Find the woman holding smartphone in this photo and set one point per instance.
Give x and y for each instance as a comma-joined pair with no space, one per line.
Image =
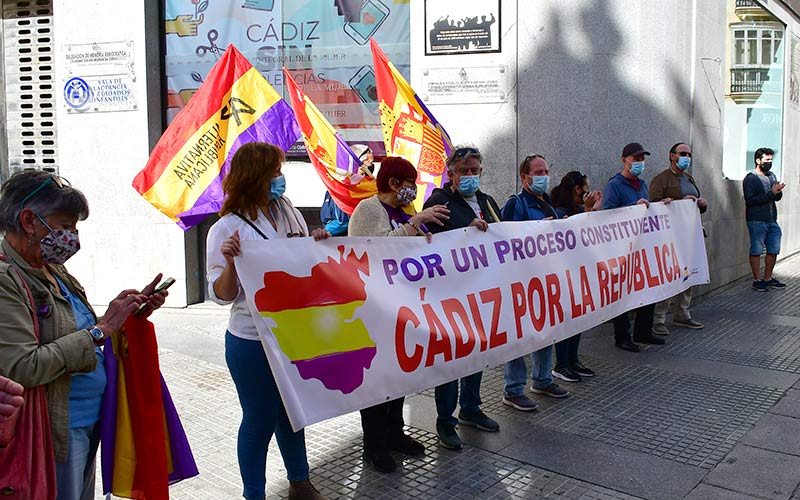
255,208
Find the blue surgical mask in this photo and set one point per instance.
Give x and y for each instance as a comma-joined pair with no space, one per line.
277,187
540,184
684,162
469,184
637,168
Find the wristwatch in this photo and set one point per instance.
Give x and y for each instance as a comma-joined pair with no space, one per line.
97,334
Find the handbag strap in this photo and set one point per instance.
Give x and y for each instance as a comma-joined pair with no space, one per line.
27,290
250,223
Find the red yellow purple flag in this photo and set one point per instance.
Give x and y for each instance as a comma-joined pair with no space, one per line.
409,129
234,105
144,447
333,159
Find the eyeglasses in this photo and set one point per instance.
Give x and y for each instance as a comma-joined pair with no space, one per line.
60,182
468,171
684,153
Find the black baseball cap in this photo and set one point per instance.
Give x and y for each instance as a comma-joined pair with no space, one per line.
634,149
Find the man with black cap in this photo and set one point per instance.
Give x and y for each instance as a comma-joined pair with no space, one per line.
626,189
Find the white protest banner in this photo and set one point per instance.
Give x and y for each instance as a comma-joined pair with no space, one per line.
351,322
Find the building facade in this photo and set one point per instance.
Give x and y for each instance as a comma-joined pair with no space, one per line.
574,81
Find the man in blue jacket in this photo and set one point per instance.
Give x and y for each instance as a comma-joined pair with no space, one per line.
469,206
532,203
761,191
625,189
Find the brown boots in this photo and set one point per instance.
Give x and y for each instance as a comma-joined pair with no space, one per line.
304,490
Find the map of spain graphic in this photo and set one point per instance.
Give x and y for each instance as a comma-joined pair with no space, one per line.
314,323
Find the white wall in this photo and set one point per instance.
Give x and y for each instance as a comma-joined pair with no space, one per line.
125,241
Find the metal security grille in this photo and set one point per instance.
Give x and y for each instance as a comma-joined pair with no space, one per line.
29,74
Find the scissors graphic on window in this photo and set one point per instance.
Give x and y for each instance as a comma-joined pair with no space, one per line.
212,47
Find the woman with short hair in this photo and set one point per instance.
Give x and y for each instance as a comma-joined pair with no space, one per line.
39,212
383,215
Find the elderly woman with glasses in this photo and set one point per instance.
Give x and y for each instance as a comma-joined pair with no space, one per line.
38,216
383,215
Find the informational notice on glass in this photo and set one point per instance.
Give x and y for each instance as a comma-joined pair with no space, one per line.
324,43
465,85
461,26
99,77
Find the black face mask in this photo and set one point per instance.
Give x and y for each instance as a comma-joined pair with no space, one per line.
582,195
766,166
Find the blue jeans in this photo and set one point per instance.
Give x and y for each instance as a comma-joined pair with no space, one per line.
764,234
567,351
516,373
447,396
262,415
75,477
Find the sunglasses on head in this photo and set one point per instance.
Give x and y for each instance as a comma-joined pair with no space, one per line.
59,181
462,152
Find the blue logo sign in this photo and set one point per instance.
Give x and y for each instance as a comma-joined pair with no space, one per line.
77,93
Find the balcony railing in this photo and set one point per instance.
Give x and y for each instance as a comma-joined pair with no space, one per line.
747,3
754,81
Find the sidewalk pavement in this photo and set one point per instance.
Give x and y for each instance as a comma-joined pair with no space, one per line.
713,414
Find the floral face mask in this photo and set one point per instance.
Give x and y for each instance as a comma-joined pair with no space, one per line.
59,244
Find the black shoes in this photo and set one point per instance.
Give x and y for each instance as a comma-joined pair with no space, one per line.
628,346
408,445
381,460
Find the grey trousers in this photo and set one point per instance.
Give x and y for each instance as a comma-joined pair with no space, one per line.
683,299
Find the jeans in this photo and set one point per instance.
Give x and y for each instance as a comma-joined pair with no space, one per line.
567,351
447,397
262,415
516,373
641,326
681,314
75,477
764,234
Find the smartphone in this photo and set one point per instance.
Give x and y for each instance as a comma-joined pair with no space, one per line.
363,82
160,288
373,14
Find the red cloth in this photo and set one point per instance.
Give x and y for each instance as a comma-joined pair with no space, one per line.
143,383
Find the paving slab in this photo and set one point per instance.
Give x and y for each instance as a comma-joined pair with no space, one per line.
708,492
628,471
776,433
757,472
789,405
